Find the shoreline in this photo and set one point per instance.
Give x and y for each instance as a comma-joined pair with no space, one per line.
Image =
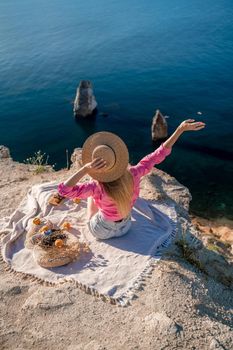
211,218
219,228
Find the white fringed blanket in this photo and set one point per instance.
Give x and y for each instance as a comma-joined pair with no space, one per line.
115,268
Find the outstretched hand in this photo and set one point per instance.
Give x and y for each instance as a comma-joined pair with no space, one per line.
191,125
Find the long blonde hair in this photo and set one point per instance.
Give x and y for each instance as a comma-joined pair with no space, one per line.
121,192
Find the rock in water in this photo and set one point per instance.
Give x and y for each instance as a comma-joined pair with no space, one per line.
85,103
159,126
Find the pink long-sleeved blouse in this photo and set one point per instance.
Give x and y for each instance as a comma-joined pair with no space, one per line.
95,189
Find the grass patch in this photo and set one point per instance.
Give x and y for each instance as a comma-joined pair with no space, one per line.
214,248
40,162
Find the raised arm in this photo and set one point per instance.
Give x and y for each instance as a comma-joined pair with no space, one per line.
71,188
97,163
146,164
186,125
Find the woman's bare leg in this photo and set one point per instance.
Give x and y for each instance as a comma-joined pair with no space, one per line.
91,208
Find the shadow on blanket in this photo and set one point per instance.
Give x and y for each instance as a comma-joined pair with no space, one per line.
144,230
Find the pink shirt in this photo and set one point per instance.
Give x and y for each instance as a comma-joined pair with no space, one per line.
95,189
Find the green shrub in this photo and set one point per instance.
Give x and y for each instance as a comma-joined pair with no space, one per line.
40,161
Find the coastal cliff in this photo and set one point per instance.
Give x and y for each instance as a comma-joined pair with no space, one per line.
185,304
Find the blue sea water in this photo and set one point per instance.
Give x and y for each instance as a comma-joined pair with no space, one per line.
140,55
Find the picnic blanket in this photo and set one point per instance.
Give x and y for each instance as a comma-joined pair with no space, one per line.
115,268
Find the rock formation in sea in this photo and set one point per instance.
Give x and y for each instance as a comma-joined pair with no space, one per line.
85,104
159,126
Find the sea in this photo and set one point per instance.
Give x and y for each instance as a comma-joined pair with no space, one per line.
176,56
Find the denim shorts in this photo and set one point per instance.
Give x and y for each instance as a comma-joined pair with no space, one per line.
104,229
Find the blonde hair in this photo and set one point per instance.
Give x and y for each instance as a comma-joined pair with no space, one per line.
121,192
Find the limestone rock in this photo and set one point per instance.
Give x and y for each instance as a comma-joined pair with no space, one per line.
215,265
160,185
76,158
214,344
165,324
85,103
159,126
47,299
4,152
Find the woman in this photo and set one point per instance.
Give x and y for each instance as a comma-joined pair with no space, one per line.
115,185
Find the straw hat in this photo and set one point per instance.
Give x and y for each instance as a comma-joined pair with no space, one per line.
112,149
